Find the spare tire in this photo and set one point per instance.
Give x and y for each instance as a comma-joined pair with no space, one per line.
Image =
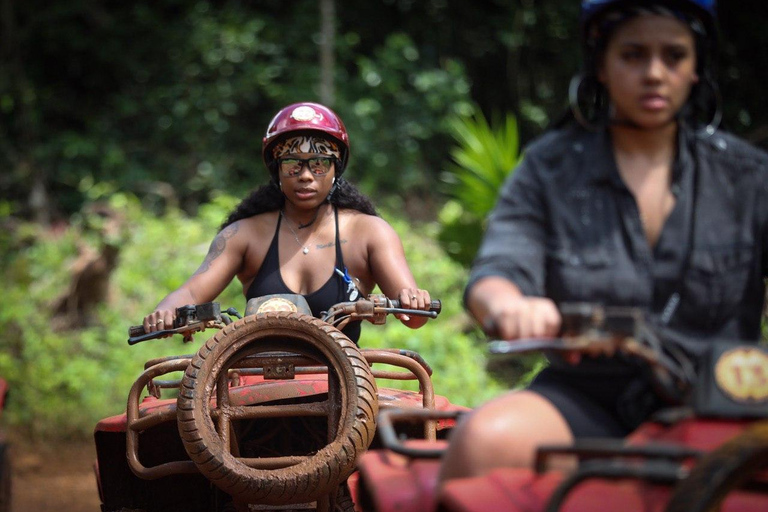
314,476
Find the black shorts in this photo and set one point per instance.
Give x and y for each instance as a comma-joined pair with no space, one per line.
610,405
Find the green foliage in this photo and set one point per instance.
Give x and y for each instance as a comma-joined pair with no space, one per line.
168,100
399,114
483,156
181,113
449,343
63,382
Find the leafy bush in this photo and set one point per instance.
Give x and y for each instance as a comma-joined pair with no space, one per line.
63,382
482,158
449,343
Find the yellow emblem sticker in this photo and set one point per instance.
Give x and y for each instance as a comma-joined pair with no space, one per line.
277,304
742,374
304,113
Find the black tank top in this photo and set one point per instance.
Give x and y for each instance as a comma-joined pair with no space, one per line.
338,288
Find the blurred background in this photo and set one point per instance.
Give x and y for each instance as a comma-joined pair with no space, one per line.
128,131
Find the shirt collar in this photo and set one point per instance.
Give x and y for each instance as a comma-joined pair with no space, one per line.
600,162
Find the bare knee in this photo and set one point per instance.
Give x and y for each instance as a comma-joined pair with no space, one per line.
504,432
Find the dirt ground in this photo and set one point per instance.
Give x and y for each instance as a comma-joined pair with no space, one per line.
53,478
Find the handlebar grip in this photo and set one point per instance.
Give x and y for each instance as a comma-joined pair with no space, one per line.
136,330
434,305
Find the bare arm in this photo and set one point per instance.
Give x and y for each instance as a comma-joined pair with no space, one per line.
502,310
221,264
389,268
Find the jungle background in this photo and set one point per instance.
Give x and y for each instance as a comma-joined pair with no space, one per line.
128,130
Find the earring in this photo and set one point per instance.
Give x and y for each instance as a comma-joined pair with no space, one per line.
710,103
594,101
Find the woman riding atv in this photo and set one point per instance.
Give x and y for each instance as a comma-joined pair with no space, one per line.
635,199
309,231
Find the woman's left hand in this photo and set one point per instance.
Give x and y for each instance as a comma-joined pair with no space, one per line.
414,298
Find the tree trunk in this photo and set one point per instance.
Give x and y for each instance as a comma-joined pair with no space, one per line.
12,64
327,53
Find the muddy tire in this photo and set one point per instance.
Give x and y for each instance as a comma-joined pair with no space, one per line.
722,471
316,475
344,501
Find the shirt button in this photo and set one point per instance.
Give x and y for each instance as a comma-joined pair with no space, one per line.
578,147
721,144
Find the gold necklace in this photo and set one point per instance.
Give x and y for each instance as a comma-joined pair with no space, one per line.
304,248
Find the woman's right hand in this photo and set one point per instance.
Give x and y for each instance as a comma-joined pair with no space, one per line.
530,317
159,320
523,317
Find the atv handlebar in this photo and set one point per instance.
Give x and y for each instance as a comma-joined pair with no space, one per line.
374,308
595,329
195,318
189,320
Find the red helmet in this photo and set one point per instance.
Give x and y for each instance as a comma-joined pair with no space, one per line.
305,117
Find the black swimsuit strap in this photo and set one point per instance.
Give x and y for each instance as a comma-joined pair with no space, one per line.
339,255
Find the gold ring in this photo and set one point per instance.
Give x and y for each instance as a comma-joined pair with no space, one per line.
413,297
151,325
161,322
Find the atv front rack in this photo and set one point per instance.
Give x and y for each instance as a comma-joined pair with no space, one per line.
273,366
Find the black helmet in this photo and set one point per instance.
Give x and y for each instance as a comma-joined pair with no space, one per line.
590,8
705,11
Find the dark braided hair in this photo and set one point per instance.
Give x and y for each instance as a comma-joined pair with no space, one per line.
269,198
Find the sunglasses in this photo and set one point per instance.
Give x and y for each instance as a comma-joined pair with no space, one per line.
317,165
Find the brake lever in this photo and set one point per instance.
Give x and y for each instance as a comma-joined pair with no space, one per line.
411,312
186,330
150,336
504,347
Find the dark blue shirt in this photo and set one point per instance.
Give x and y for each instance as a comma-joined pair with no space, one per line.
567,227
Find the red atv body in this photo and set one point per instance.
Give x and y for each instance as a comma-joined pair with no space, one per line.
640,474
273,412
711,454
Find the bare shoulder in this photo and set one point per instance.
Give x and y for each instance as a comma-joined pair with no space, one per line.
370,227
240,236
251,227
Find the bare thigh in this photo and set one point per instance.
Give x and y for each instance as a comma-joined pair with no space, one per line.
504,432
